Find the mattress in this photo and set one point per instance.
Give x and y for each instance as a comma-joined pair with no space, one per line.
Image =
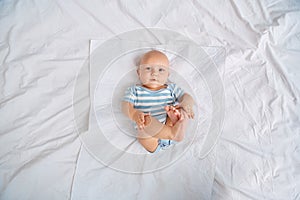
65,64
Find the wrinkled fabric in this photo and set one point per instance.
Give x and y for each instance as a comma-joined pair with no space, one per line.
43,45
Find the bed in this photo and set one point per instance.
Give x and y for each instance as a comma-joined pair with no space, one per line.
64,65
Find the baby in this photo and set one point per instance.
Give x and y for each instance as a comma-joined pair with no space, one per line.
152,104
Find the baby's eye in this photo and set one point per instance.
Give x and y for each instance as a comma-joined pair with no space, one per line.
161,69
148,68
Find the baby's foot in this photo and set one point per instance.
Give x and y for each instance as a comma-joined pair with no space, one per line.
173,114
180,126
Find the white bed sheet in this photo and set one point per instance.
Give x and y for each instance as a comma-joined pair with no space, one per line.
110,138
43,46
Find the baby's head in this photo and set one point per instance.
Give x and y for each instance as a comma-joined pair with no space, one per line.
153,70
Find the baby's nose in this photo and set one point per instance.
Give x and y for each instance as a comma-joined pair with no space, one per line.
154,72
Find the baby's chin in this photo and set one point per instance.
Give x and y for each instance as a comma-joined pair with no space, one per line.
153,86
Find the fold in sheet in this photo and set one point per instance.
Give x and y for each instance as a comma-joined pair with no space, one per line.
43,46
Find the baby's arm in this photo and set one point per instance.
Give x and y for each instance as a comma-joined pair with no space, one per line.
134,114
186,102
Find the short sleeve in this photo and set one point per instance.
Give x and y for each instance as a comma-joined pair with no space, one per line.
177,92
130,95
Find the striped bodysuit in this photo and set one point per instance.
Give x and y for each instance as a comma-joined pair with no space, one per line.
153,102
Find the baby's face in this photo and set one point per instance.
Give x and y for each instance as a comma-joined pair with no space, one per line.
154,71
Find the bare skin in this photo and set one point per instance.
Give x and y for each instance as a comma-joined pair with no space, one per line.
153,73
174,129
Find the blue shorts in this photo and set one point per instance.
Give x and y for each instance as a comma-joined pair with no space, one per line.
163,144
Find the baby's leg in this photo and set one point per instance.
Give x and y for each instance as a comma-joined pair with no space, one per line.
146,140
153,128
150,143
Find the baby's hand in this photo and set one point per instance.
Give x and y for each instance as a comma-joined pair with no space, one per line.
188,109
139,118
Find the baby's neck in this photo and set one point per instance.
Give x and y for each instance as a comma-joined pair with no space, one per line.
156,88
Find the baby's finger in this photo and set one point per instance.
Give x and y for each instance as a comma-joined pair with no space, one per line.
177,106
140,127
192,115
184,115
142,118
147,114
176,112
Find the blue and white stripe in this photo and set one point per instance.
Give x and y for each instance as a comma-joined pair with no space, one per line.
153,102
